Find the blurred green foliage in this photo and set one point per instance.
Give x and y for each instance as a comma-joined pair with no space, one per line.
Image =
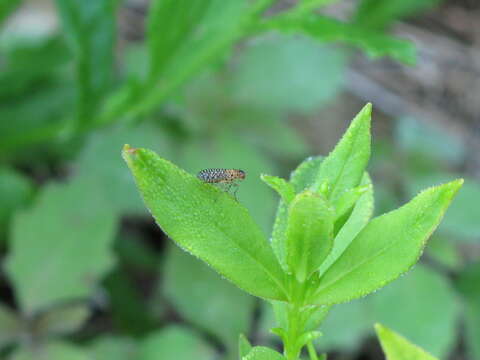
213,85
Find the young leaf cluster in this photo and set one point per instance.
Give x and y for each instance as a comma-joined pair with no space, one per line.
323,250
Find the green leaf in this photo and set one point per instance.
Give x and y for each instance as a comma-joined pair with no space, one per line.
191,287
62,321
397,347
175,342
110,347
10,326
51,351
395,307
348,199
327,29
460,221
467,284
185,36
263,353
20,77
343,168
309,234
264,78
357,220
90,30
6,8
66,237
303,178
282,187
244,346
377,14
387,247
38,117
208,223
15,191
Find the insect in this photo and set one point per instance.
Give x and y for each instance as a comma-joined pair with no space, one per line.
228,177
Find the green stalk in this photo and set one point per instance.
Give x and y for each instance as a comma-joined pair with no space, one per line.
311,351
295,320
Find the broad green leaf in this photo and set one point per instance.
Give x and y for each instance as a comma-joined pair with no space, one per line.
467,284
67,234
244,346
282,187
377,14
264,77
396,347
10,326
343,168
191,287
63,320
89,27
51,351
185,36
110,347
387,247
263,353
395,307
15,191
208,223
309,234
327,29
175,342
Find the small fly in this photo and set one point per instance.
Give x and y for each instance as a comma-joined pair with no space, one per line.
222,177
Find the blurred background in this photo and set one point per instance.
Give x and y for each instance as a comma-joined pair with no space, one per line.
257,85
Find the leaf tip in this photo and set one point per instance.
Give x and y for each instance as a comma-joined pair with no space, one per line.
127,149
378,328
368,108
127,153
453,186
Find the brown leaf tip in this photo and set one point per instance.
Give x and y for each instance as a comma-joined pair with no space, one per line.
130,150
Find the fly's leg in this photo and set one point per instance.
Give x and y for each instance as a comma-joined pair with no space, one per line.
235,191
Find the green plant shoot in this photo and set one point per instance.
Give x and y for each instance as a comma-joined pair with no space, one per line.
324,250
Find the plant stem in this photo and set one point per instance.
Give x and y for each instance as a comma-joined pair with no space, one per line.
296,321
311,351
293,332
